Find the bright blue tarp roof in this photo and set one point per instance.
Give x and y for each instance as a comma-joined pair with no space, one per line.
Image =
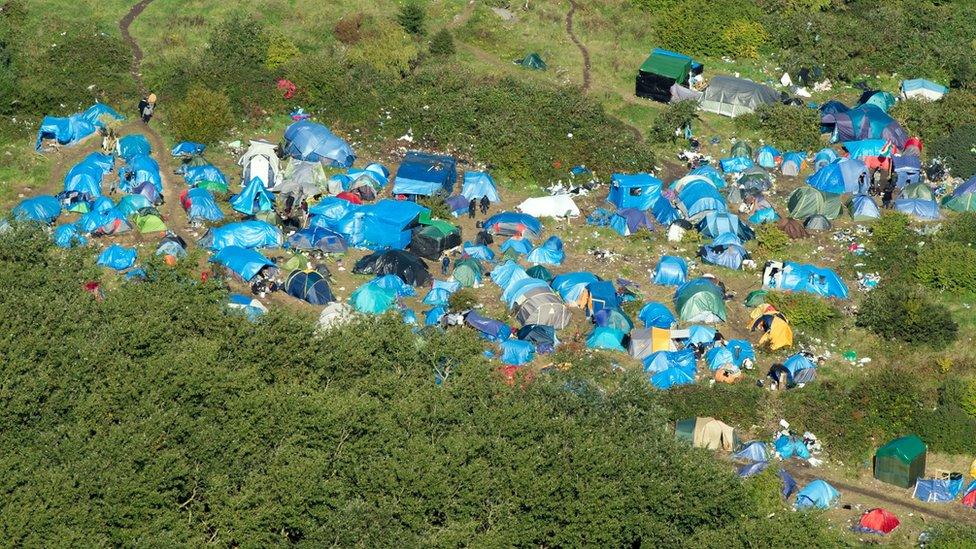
43,208
479,184
312,142
253,198
117,257
425,174
244,262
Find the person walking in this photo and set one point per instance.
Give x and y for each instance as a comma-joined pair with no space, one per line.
147,107
472,208
485,203
445,264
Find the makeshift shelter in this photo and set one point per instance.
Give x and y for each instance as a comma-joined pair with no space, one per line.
753,451
478,185
844,176
513,224
919,191
938,490
901,461
865,122
731,97
868,148
130,204
638,190
600,295
245,234
806,201
516,352
729,256
516,246
396,284
659,72
425,174
628,221
672,377
799,277
764,215
609,339
260,161
67,236
467,272
560,205
117,257
133,145
372,299
715,224
923,210
410,268
710,173
700,197
664,212
741,149
877,521
531,61
243,262
42,208
823,157
85,178
309,286
817,495
200,206
187,148
543,337
793,163
549,253
312,142
922,89
816,223
862,207
670,271
253,198
431,241
708,433
880,99
149,222
490,329
571,287
540,272
700,300
735,164
907,169
768,157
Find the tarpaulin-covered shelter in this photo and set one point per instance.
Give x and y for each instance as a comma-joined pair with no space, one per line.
513,224
187,148
844,176
67,236
736,164
660,71
477,185
806,201
309,286
741,149
730,96
719,223
919,191
636,190
768,157
572,286
85,177
656,315
700,300
549,253
42,208
431,241
133,145
489,328
260,161
138,170
753,451
385,224
672,377
877,98
764,215
194,175
729,256
600,295
831,107
517,352
117,257
867,148
707,432
862,207
817,495
710,173
907,169
370,298
865,122
312,142
200,205
317,238
793,163
609,339
664,212
938,490
798,277
243,262
74,128
410,268
560,205
700,197
901,461
922,89
923,210
823,157
130,204
516,246
628,221
877,521
253,198
467,272
251,233
425,174
670,271
659,361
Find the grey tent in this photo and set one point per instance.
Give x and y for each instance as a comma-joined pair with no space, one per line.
817,223
303,179
542,306
734,96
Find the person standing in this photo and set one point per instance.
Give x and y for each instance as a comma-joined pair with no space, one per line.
485,203
147,107
472,208
445,264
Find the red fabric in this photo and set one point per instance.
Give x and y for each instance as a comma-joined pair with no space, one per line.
184,200
288,87
351,197
914,141
879,520
969,500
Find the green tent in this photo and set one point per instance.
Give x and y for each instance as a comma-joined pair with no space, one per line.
532,61
962,203
900,462
756,298
467,272
79,207
510,255
213,186
542,273
268,217
150,223
296,262
806,201
917,190
700,300
741,148
672,67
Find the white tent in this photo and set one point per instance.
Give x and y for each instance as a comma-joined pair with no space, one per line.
560,205
261,161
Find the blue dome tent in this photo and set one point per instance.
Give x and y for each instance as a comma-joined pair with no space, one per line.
549,253
753,451
200,205
768,157
253,198
309,286
479,184
660,361
204,172
765,215
670,271
656,315
818,494
85,177
187,148
609,339
133,145
923,210
862,207
395,284
312,142
317,238
116,257
628,221
718,223
68,235
798,277
823,157
700,197
425,174
711,174
245,234
844,176
372,299
520,246
572,286
638,190
793,163
43,208
243,262
130,204
513,224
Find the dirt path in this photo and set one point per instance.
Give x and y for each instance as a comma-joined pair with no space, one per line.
124,25
582,48
463,17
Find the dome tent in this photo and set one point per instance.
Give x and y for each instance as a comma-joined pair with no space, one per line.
372,299
309,286
243,262
862,207
410,268
806,201
670,271
731,97
818,494
816,223
700,300
312,142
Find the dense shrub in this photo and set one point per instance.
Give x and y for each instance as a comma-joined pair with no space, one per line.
740,405
203,116
442,43
804,311
933,120
898,311
787,127
947,266
950,426
825,408
386,48
462,300
437,205
894,247
668,123
956,149
743,38
413,18
713,28
771,241
952,535
960,228
280,51
348,29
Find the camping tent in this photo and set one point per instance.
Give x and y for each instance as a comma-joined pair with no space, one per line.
670,271
734,96
531,61
806,201
868,148
628,221
404,264
572,286
863,208
478,185
200,205
149,222
768,157
117,257
656,315
467,272
560,205
243,262
920,88
865,122
513,224
260,161
637,190
710,173
700,197
901,461
877,521
43,208
753,451
799,277
823,157
707,432
919,191
661,70
907,168
306,140
818,494
549,253
245,234
187,148
793,163
253,198
606,338
740,149
194,175
923,210
880,99
715,224
729,255
372,299
735,164
700,300
844,176
816,223
430,241
425,174
309,286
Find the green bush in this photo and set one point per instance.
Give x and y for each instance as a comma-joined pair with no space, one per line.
281,50
804,311
933,120
442,43
957,150
713,28
203,116
787,127
462,300
743,38
437,205
952,535
674,117
949,427
947,266
960,228
894,247
771,241
413,18
386,48
898,311
740,405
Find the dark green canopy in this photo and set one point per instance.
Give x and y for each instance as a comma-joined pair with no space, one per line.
532,61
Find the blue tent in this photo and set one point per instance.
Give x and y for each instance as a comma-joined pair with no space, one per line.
512,224
711,173
672,377
752,468
606,338
518,288
244,262
395,284
245,234
718,357
479,184
437,297
517,352
934,490
433,316
425,174
823,157
729,256
718,223
868,148
66,131
144,170
662,360
670,271
908,170
311,142
171,246
309,286
831,107
765,215
94,114
117,257
372,299
924,210
767,156
603,295
741,351
844,176
801,368
375,173
253,198
628,221
700,335
754,451
488,328
201,206
68,235
865,122
385,224
818,494
507,274
793,163
570,286
134,145
330,210
43,208
800,277
188,148
613,318
483,253
638,190
317,238
521,246
789,485
736,164
862,207
700,197
204,172
664,212
130,204
85,177
656,315
549,253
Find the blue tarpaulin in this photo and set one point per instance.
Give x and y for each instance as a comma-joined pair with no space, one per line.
117,257
606,338
517,352
313,142
671,271
549,253
133,145
425,174
800,277
818,494
243,262
69,235
570,286
843,176
188,148
479,184
245,234
656,315
513,224
253,198
638,190
201,206
43,208
205,172
372,299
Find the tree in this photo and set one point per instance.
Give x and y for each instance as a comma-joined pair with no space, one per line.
413,18
203,115
442,43
670,122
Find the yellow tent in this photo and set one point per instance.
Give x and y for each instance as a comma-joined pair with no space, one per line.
707,432
972,469
778,333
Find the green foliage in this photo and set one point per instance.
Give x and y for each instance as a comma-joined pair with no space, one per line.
413,18
771,241
203,116
281,50
952,535
804,311
437,205
951,424
442,43
348,29
386,48
743,38
720,27
794,6
787,127
894,246
462,300
947,266
957,150
826,409
739,404
960,229
674,117
898,311
933,120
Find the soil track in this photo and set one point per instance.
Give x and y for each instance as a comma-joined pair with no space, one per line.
124,25
579,44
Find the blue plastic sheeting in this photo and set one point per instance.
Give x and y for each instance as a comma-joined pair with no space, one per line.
718,357
924,210
862,206
700,197
765,215
376,173
102,204
938,490
639,190
395,284
144,170
72,129
789,485
754,451
701,335
330,210
437,297
133,145
865,122
800,277
656,315
85,177
129,205
433,316
43,208
253,198
549,253
517,352
729,256
479,184
628,221
603,295
662,360
766,156
718,223
670,271
313,142
609,339
425,174
98,112
570,286
317,238
507,273
867,148
98,218
736,164
672,377
741,351
243,262
188,148
823,157
751,469
818,494
789,446
711,174
252,308
844,176
921,84
512,224
968,187
490,329
244,234
206,172
664,212
518,288
483,253
203,206
385,224
521,246
67,236
116,257
372,299
795,159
